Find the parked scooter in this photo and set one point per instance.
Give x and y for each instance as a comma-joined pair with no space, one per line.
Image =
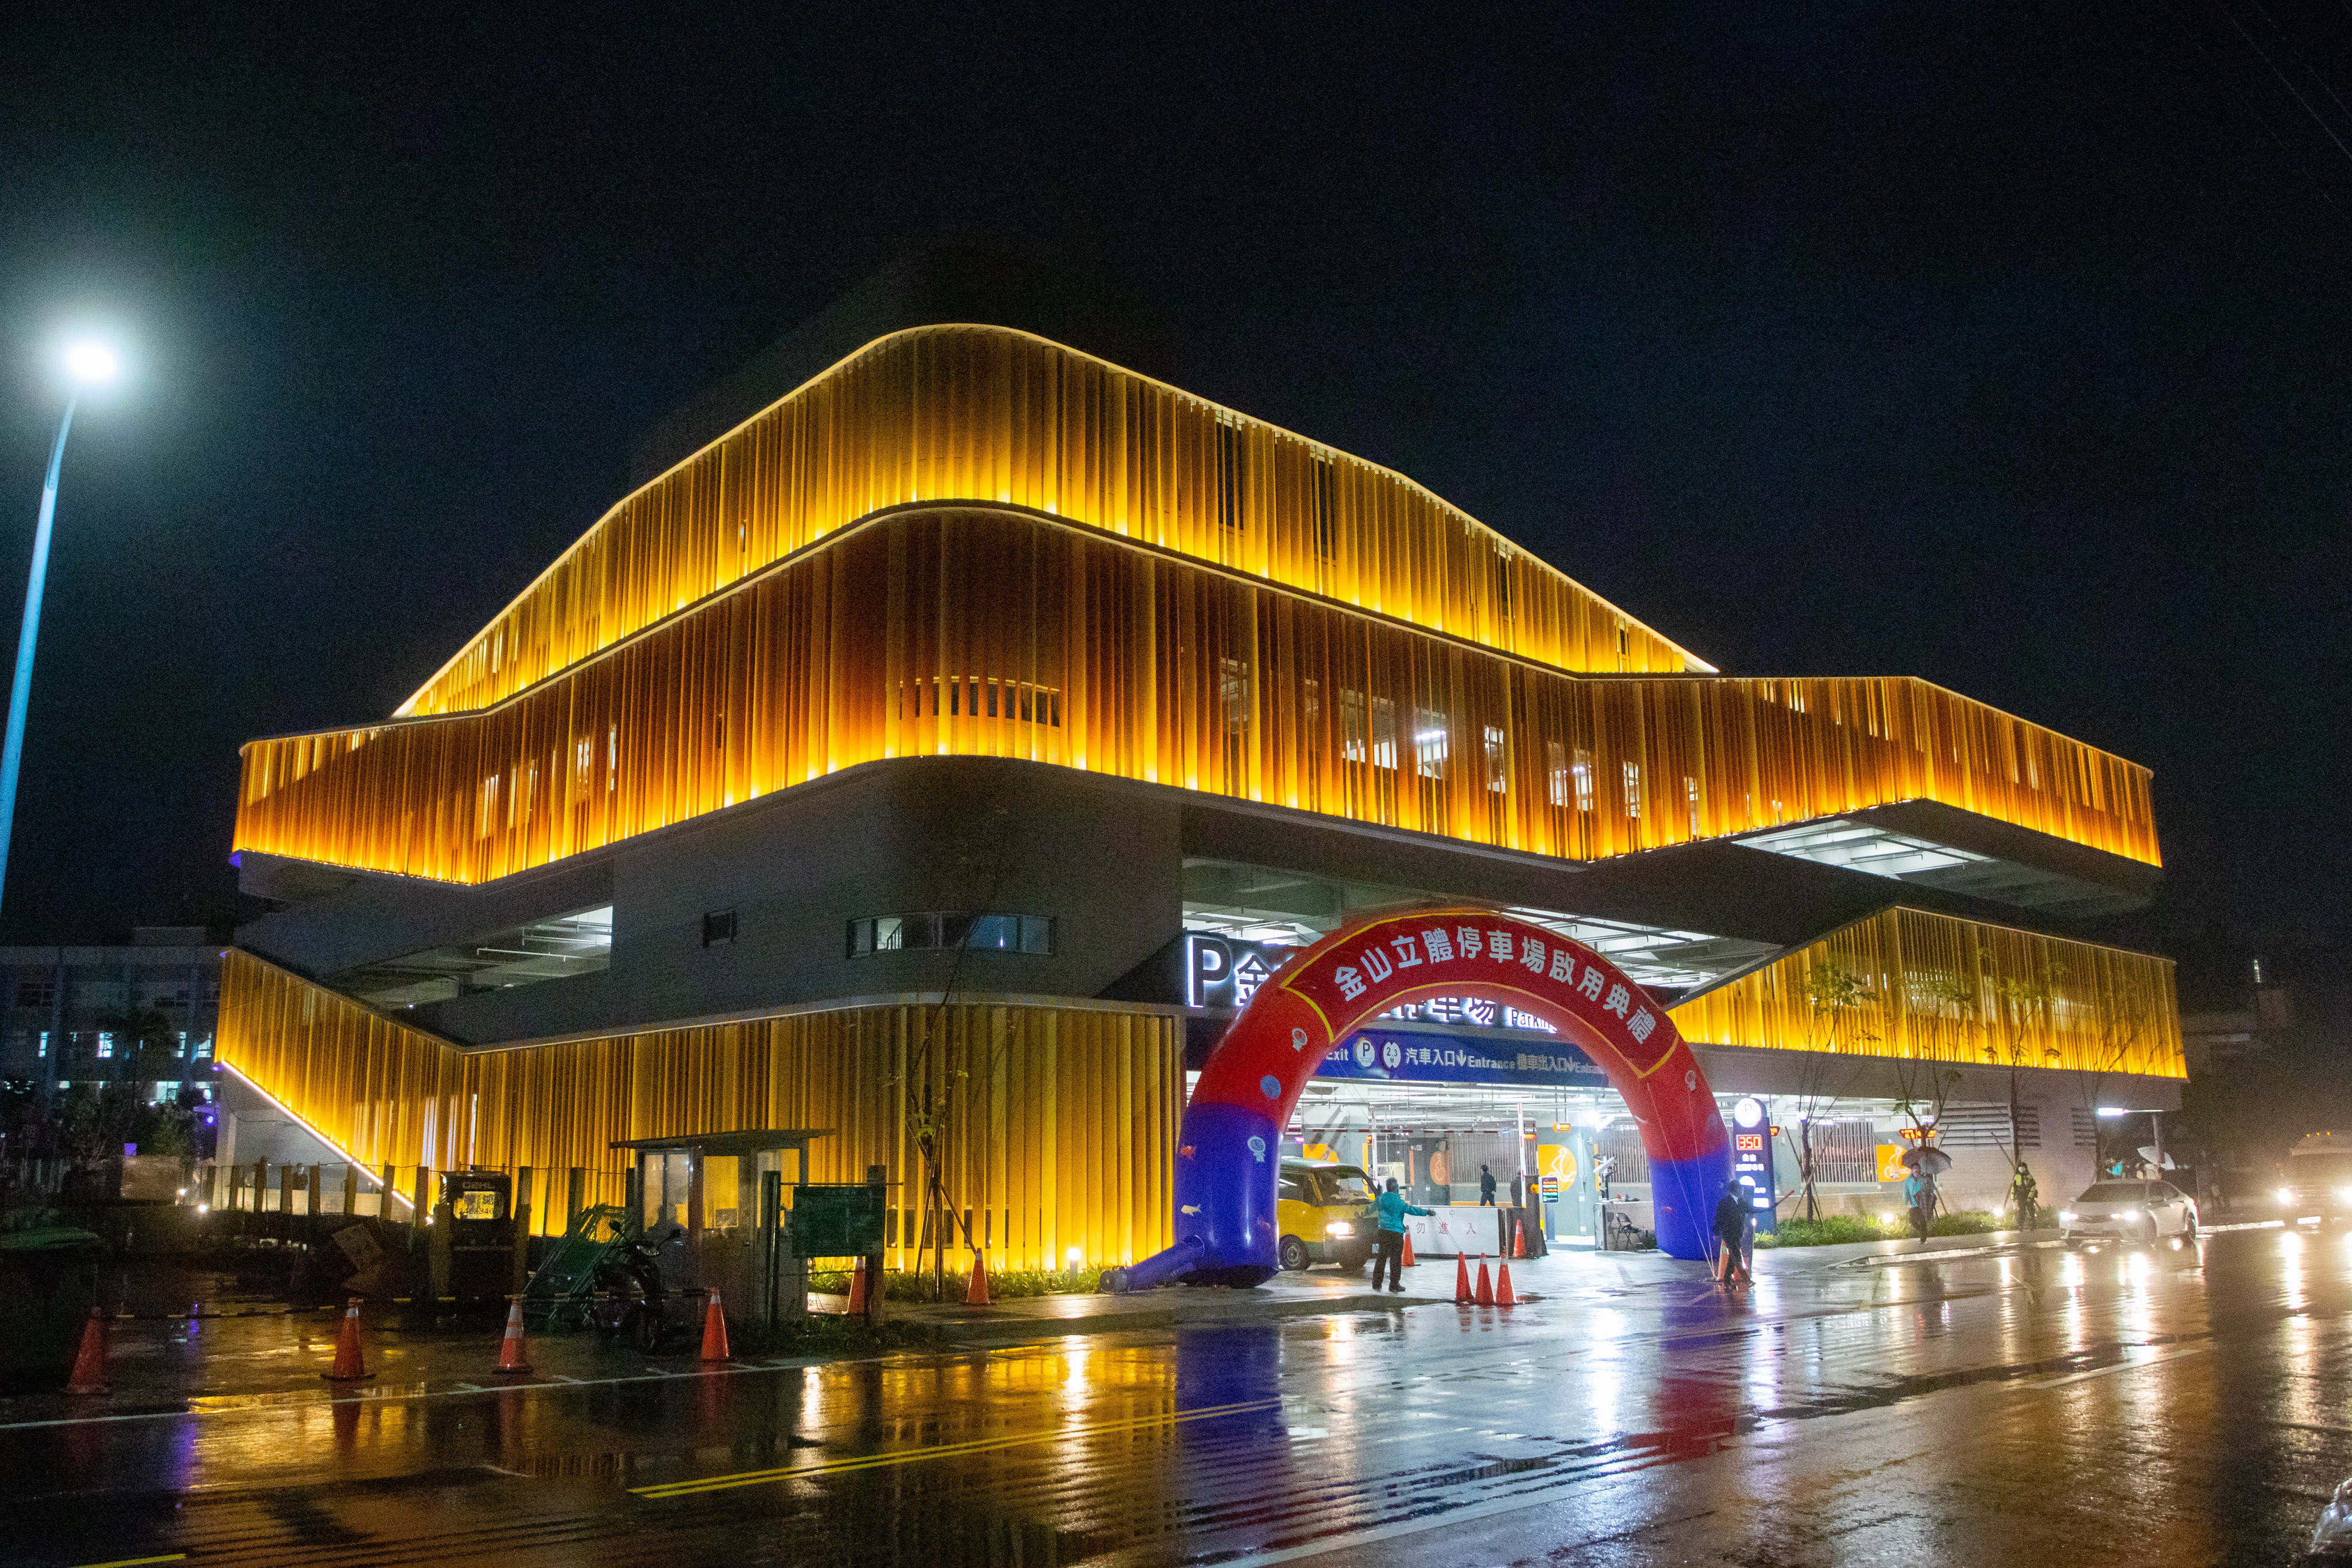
630,1300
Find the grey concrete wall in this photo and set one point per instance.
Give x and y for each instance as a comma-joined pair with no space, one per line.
969,834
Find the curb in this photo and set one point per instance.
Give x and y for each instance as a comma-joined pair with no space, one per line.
1174,1315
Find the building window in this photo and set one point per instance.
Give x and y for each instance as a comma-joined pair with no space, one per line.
982,697
718,927
1633,790
105,1047
37,993
1325,478
1431,735
1234,692
1232,456
45,1042
1497,765
1503,585
1382,751
1571,782
938,932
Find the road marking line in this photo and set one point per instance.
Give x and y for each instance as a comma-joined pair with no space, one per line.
134,1561
2119,1366
286,1400
942,1451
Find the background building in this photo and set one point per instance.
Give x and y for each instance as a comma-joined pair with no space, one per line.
143,1015
936,755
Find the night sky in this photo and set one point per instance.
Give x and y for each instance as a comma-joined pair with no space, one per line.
1978,343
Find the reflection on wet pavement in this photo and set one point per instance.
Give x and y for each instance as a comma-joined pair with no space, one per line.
2018,1407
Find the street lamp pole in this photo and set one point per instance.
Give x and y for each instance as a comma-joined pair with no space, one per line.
20,694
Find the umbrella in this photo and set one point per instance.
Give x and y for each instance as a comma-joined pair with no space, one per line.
1927,1162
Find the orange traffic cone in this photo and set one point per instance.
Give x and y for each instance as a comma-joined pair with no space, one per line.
1503,1297
1486,1285
1462,1279
514,1354
349,1367
1408,1250
714,1332
1519,1239
975,1294
857,1289
89,1362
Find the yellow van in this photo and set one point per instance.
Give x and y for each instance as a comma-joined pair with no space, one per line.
1325,1215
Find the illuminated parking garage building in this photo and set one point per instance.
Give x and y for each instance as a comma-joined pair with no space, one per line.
926,727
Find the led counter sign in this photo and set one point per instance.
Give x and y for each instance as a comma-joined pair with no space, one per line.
1751,1161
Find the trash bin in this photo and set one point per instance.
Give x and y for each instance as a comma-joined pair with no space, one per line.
49,1282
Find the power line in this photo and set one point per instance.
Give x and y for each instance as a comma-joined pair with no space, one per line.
2316,118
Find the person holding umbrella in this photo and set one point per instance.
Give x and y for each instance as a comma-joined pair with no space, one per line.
1731,1232
1919,1187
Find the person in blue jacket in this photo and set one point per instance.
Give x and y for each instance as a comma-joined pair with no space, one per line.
1392,1209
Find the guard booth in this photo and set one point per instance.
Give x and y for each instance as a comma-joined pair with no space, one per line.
717,1204
478,1207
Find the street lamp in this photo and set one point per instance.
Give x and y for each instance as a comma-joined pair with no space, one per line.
89,362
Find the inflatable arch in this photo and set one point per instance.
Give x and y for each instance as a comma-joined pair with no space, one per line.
1229,1149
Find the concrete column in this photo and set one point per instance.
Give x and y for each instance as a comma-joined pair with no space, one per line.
524,1198
575,1196
878,1176
225,1160
56,1031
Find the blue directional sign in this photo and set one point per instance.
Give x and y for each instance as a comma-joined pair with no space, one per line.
1411,1056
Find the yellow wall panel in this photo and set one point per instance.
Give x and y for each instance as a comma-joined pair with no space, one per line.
990,414
967,632
1945,990
1060,1121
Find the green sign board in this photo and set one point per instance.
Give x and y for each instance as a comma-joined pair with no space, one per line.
837,1221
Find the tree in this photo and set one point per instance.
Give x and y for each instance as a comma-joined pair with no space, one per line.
935,1089
2021,1009
2125,1016
1837,1004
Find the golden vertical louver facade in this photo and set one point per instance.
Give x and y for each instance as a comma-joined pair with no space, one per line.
993,415
1060,1121
992,632
1933,988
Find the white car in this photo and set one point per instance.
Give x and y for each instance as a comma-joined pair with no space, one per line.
2141,1211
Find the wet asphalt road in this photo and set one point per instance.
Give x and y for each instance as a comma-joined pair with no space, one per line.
2021,1408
